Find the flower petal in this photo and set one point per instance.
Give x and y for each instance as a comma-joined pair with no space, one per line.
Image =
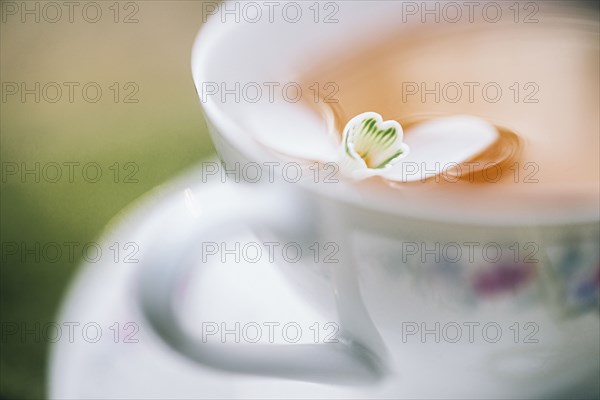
441,143
293,131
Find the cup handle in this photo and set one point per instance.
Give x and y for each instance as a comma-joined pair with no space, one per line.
346,362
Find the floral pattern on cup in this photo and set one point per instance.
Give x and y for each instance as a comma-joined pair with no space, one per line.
502,279
582,288
576,267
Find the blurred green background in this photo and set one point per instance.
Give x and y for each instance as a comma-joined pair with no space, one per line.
163,134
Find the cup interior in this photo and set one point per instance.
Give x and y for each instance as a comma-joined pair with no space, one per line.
257,53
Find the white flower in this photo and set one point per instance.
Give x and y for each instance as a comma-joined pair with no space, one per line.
370,146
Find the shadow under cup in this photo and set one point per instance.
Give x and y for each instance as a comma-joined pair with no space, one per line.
444,289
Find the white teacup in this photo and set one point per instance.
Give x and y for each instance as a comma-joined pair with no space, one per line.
476,326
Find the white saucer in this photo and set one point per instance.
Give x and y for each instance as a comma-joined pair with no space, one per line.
141,365
104,294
